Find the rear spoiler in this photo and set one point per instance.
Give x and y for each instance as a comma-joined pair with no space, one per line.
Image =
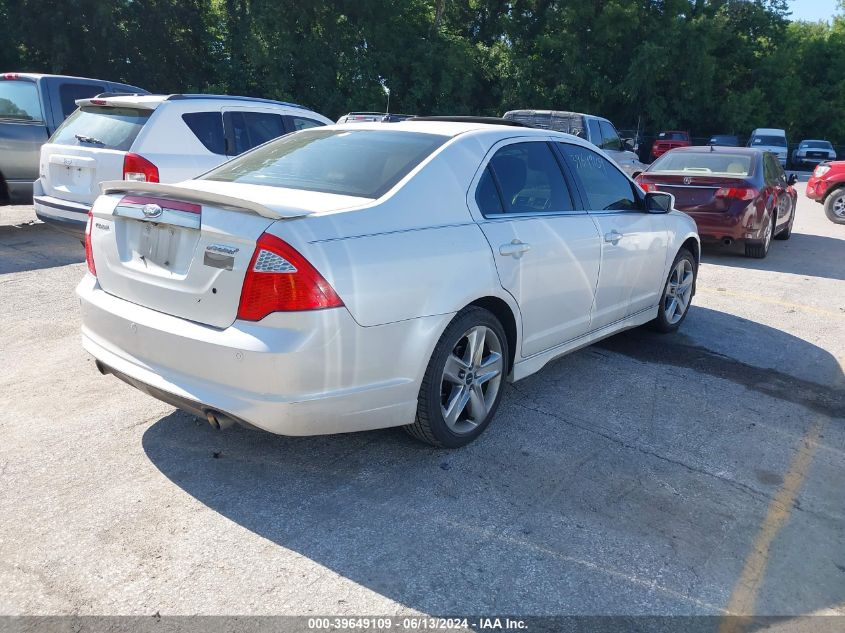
173,192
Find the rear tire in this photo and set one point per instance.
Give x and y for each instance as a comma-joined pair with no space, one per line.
677,293
759,250
834,206
464,380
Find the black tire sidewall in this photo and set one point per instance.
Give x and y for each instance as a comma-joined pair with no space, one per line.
828,205
463,321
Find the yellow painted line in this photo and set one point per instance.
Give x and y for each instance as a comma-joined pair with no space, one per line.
769,300
744,596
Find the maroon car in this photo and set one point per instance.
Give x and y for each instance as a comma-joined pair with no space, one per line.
734,194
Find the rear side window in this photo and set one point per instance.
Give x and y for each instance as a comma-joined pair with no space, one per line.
19,101
609,137
69,93
251,129
365,163
102,126
606,187
208,128
528,179
302,123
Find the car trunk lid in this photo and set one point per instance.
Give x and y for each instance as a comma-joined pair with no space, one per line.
694,193
89,148
184,251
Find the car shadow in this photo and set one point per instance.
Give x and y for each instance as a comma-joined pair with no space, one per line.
35,245
592,492
803,254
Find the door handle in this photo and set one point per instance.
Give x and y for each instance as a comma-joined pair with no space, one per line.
515,248
613,237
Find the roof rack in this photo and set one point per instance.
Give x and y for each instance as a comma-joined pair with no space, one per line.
181,97
490,120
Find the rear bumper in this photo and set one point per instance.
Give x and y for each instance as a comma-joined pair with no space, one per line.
70,217
714,227
304,373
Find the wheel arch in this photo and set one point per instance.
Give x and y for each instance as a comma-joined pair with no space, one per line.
837,186
502,311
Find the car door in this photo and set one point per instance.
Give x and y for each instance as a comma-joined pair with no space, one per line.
547,254
784,206
247,128
634,242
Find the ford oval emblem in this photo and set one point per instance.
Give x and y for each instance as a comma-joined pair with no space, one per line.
687,180
151,210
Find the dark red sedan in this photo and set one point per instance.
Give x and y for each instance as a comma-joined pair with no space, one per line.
734,194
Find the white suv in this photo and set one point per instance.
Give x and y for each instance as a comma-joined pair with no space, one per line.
150,138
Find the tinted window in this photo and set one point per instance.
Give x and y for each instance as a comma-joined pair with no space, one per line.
705,163
815,145
606,187
364,163
301,123
208,128
595,132
672,136
529,179
96,126
251,129
69,93
487,195
772,141
609,137
19,100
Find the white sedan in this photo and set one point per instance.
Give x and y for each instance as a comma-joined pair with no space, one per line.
364,276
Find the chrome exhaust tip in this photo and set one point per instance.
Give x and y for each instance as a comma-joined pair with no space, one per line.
219,420
727,241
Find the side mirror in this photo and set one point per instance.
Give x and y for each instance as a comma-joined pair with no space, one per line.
659,202
628,144
791,179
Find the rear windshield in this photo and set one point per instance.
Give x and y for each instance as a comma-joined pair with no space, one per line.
672,136
776,141
102,126
19,101
365,163
815,145
705,163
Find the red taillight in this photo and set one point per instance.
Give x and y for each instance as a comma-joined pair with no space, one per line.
139,169
10,76
737,193
646,186
89,253
100,102
279,279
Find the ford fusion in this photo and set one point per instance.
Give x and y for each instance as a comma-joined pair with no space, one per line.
365,276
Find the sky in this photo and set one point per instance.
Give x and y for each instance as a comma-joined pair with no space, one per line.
812,10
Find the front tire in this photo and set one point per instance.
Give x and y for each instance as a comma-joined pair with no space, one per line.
834,206
677,293
463,382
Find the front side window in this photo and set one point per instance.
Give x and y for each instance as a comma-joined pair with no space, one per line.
606,187
526,178
19,101
102,126
251,129
364,163
609,137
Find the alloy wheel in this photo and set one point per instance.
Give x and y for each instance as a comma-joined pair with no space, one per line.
471,379
838,206
676,298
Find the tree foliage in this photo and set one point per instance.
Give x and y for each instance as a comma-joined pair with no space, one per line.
703,65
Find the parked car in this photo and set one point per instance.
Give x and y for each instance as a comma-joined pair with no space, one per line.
812,152
724,140
369,117
669,140
770,140
597,130
827,186
32,106
362,276
151,138
734,194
